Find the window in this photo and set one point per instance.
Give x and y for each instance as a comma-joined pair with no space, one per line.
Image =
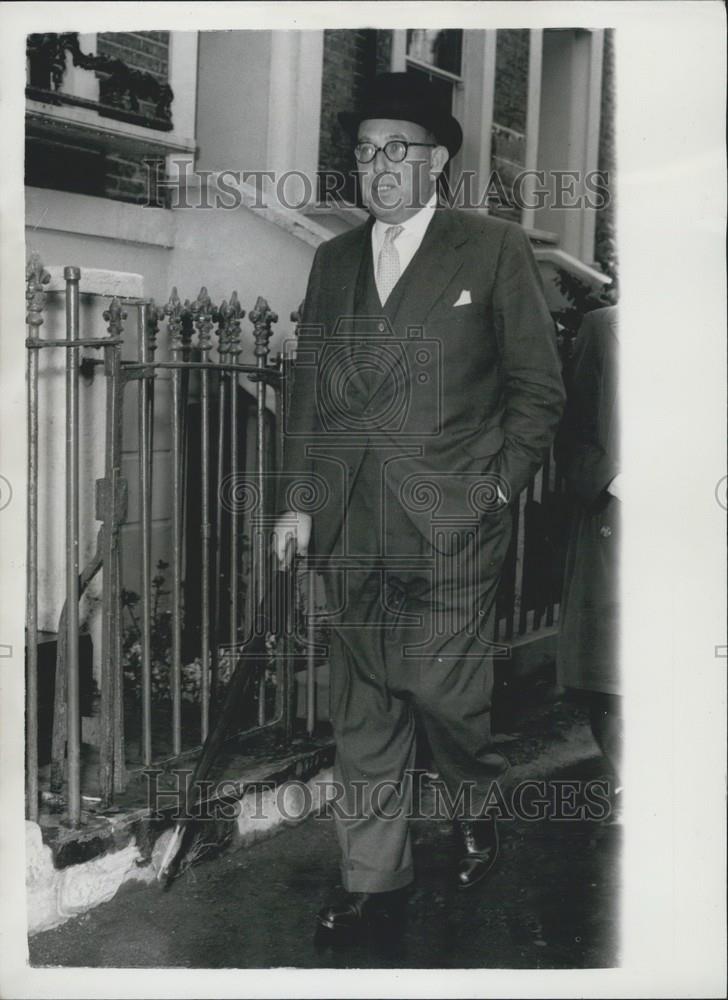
510,104
98,106
437,55
350,64
440,50
145,56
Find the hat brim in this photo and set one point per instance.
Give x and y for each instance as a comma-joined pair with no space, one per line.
445,128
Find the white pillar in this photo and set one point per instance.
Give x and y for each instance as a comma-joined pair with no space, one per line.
182,78
569,131
399,50
533,112
183,81
308,118
591,139
294,105
477,105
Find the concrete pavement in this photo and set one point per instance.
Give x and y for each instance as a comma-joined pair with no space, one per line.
551,901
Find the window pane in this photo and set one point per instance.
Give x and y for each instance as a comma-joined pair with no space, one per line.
511,78
441,49
510,103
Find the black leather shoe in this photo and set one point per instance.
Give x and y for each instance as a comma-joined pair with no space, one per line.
479,841
351,909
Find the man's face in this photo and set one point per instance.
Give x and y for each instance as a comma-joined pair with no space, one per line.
393,192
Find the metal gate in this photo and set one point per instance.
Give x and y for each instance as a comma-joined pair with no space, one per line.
233,492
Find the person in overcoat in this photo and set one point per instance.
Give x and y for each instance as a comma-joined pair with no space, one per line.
587,450
426,391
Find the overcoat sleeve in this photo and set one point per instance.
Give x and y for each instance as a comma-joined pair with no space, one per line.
533,388
587,442
301,416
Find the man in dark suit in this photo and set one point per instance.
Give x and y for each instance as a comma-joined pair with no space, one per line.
427,388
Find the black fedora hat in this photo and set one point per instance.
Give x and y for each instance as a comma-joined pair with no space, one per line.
408,97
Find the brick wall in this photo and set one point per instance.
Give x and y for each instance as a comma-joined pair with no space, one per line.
511,78
605,243
147,51
351,59
144,50
61,166
124,179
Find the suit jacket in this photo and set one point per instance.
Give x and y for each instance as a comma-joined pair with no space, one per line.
588,454
479,383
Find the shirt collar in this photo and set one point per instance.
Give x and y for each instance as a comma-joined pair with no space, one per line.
414,227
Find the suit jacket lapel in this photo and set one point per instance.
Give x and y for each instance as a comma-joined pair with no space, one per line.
431,270
433,267
345,274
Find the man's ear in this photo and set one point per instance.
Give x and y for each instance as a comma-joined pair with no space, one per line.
439,158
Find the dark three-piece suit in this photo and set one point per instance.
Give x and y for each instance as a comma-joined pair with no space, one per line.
410,428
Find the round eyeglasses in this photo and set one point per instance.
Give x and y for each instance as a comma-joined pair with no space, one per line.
395,150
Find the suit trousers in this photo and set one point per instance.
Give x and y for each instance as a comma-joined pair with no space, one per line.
410,633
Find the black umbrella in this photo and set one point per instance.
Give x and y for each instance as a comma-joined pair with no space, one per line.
273,619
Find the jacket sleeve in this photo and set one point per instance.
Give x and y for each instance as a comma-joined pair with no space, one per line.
301,416
533,394
585,446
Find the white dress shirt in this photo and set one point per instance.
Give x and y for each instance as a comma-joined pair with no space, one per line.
408,241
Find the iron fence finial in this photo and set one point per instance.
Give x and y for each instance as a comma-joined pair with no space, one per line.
202,311
234,331
115,317
220,316
262,317
173,310
35,278
154,314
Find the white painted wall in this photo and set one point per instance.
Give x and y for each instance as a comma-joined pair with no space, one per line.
232,99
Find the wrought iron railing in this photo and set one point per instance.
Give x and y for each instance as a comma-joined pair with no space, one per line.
234,495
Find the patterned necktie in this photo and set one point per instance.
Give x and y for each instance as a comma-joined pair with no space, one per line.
388,263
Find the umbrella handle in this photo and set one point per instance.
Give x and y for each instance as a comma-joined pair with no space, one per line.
290,554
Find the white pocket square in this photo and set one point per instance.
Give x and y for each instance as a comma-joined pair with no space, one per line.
464,299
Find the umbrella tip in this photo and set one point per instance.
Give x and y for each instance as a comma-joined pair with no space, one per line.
170,853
